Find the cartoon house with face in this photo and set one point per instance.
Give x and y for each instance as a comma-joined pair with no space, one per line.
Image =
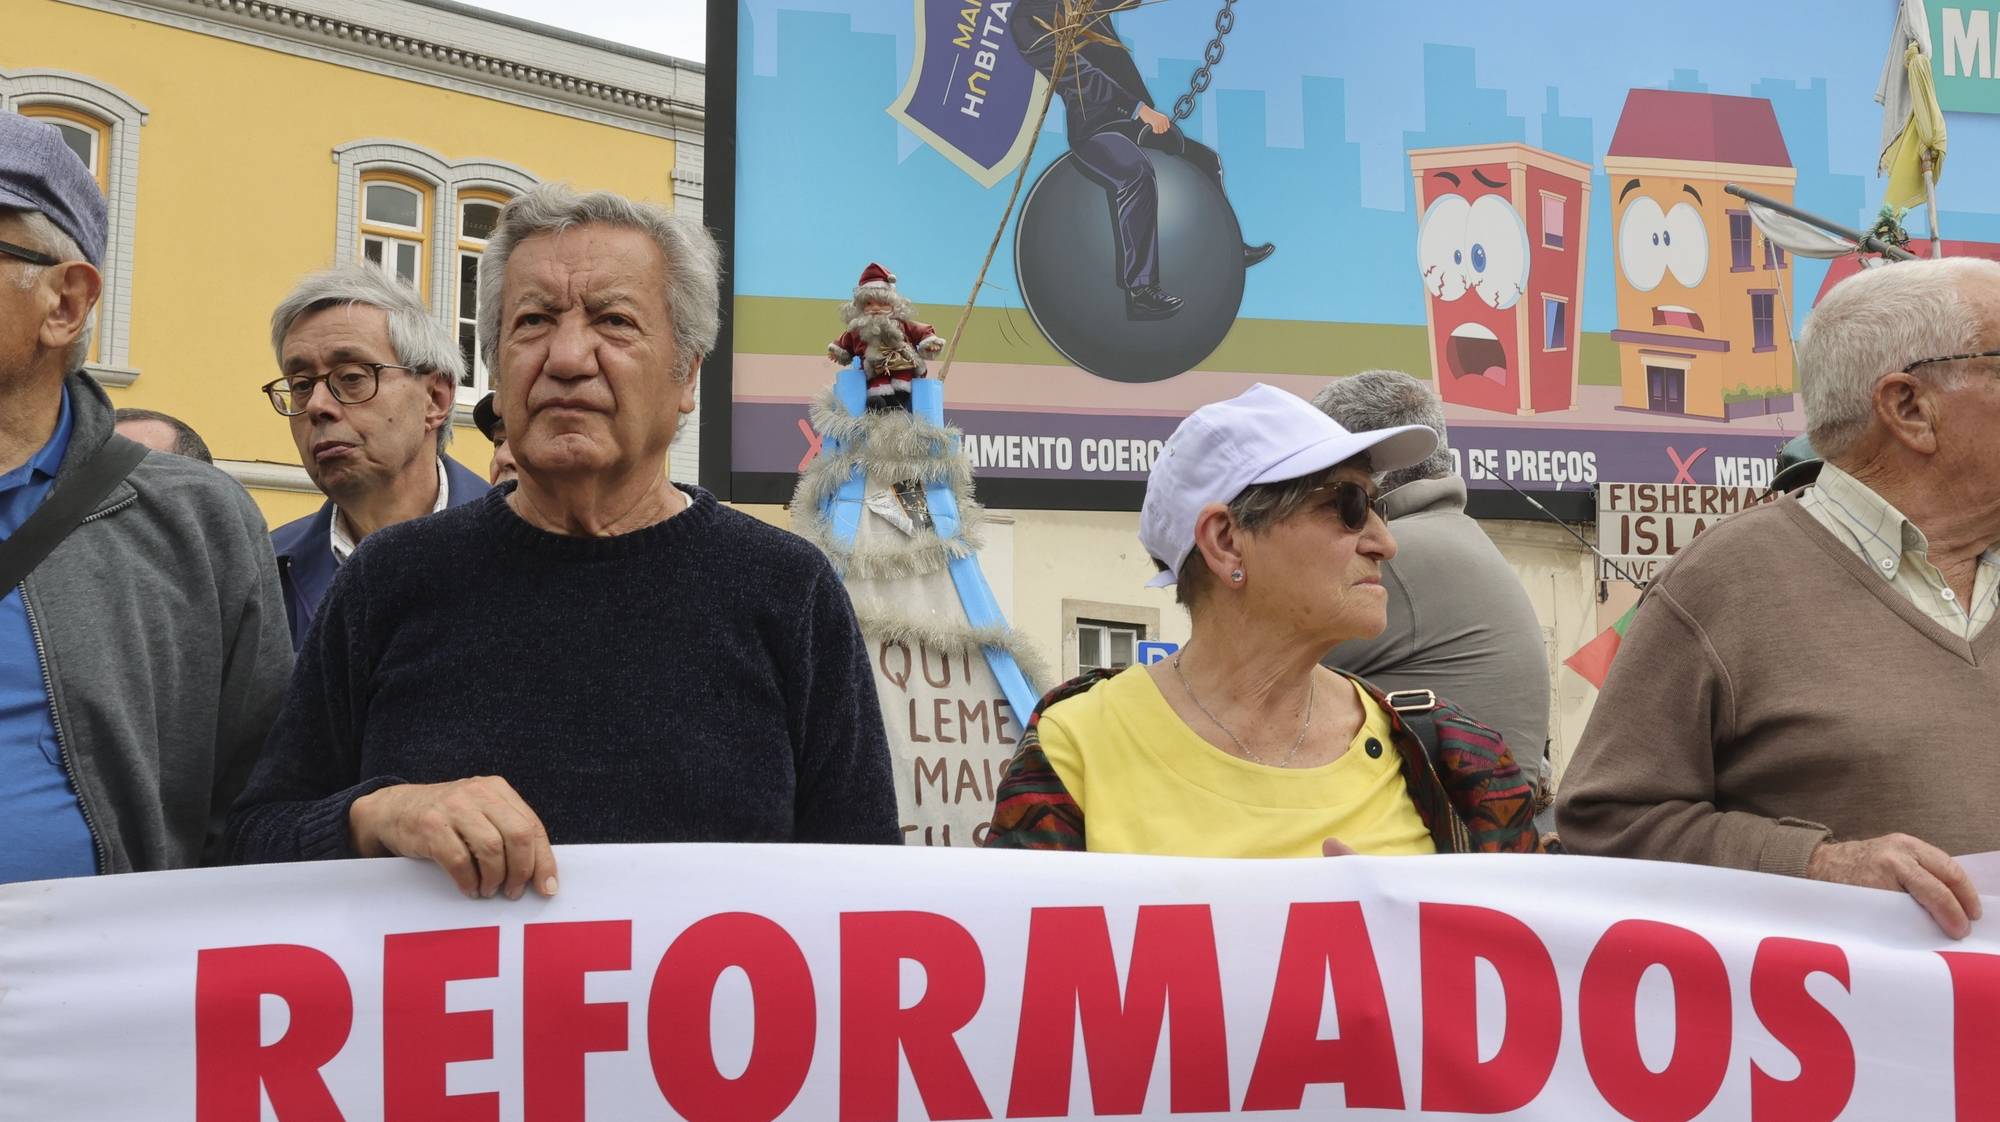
1500,248
1700,292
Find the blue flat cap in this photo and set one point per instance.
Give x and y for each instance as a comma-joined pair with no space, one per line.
38,172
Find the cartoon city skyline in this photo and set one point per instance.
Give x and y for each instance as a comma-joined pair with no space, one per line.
1501,253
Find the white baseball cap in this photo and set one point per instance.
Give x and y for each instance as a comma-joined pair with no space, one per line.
1262,435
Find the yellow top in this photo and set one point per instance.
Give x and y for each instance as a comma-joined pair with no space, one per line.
1148,784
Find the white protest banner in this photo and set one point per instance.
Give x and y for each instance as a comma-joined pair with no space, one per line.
748,983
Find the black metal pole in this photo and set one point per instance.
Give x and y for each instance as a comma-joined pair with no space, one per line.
1866,241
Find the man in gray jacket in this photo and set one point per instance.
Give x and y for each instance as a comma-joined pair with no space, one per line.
1459,622
143,659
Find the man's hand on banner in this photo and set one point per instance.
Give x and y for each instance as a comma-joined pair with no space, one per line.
1334,847
1901,862
478,830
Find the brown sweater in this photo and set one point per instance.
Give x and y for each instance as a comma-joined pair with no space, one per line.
1773,692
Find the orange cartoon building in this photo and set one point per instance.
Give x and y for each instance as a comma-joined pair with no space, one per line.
1501,251
1701,295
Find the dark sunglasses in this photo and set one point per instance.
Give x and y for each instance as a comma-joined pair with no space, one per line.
32,257
1351,501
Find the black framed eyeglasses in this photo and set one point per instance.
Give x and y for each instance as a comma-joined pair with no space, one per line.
1950,358
1352,502
350,383
31,256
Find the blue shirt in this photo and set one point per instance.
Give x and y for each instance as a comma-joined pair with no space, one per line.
42,830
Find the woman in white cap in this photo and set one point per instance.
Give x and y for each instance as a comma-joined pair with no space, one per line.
1261,514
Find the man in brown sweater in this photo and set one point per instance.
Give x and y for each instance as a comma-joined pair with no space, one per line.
1810,688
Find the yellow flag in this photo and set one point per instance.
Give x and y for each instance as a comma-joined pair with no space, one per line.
1924,133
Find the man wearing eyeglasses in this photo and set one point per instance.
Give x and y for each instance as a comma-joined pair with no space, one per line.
367,379
143,654
1812,687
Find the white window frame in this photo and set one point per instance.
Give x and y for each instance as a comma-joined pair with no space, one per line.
481,381
123,118
447,180
1077,615
392,185
1104,631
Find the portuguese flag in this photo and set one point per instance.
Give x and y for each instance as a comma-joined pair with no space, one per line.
1593,659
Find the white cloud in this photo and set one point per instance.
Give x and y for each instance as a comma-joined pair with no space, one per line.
669,27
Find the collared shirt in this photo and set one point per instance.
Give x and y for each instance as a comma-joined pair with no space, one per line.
1892,545
343,540
42,829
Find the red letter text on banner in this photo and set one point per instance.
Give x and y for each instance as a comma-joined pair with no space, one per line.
1455,937
1323,939
1975,1033
876,1028
1805,1028
1607,1017
230,1060
419,1038
558,1026
1071,976
679,1026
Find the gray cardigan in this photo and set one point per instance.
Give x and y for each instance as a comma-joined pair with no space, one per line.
164,638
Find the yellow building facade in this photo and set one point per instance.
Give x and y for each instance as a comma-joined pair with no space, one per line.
242,145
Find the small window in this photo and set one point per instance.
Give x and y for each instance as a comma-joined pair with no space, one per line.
1739,240
391,204
478,217
479,221
1102,645
1763,319
86,136
1774,255
1553,208
1555,323
394,234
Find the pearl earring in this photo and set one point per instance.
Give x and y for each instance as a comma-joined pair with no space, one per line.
1236,575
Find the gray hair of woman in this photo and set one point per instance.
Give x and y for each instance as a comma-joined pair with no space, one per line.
693,274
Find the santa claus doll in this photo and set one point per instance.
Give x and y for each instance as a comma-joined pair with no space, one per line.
892,346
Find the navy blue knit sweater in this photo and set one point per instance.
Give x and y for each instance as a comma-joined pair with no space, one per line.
701,679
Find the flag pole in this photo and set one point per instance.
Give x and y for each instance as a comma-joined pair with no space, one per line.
1869,242
1930,201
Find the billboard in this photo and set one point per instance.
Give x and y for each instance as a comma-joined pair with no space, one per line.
1527,212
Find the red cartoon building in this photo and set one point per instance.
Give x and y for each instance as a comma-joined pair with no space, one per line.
1501,249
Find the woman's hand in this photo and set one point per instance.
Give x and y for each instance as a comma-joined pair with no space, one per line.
1334,847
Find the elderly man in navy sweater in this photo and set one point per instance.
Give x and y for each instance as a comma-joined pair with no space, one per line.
673,670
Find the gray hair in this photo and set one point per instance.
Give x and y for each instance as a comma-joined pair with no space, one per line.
1875,323
1380,399
693,263
64,249
420,342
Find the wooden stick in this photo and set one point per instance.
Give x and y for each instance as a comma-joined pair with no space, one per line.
1066,36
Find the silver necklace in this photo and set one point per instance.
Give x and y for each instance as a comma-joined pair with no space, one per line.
1312,691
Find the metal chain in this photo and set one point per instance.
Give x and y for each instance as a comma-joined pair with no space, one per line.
1312,691
1225,22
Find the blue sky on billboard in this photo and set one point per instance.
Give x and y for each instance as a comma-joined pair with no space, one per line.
668,27
1304,95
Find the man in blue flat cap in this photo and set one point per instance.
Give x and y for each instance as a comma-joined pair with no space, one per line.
143,645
